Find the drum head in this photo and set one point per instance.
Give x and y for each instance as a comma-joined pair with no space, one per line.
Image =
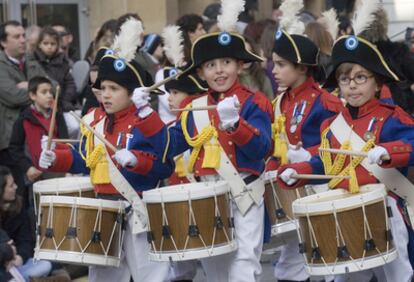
339,199
183,192
61,185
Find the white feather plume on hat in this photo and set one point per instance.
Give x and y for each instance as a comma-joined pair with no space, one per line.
290,21
173,44
330,22
230,10
364,15
129,38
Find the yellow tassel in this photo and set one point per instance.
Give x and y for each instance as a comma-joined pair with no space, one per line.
98,164
353,182
180,169
197,142
281,145
212,150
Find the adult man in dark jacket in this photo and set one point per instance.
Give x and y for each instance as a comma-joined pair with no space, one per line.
13,88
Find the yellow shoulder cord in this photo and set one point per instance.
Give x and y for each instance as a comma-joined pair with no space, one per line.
95,158
280,142
350,169
208,138
338,164
180,169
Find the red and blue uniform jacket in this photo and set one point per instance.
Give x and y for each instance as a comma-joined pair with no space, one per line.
320,105
393,129
150,168
246,146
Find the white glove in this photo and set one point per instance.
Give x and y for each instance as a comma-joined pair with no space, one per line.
47,158
43,143
228,112
141,100
298,155
375,155
125,158
286,176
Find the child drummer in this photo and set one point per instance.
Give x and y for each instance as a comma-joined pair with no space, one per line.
299,113
182,91
386,132
135,164
240,125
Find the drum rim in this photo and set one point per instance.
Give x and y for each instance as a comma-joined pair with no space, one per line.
75,257
370,261
63,184
67,200
195,253
373,193
179,193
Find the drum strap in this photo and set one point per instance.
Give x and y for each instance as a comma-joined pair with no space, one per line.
393,179
243,195
140,217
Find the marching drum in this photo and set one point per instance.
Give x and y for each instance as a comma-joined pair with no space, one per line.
189,221
340,232
80,230
278,204
66,186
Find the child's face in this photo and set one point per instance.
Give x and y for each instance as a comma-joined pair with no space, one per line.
286,73
176,98
199,31
115,97
220,74
358,87
9,193
43,98
159,53
48,45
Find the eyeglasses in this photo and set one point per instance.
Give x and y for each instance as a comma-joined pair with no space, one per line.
358,79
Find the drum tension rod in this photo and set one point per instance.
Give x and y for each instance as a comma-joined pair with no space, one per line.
71,232
150,237
49,233
231,222
369,245
120,219
218,222
342,252
316,253
388,235
280,213
96,237
389,211
193,230
302,248
166,232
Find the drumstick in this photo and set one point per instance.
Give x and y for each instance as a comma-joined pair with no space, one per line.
205,108
351,153
65,140
319,176
53,119
96,133
162,82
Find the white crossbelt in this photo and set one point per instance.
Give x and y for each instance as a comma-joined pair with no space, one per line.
243,195
140,217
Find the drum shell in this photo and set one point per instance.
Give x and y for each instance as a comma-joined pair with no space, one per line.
85,221
351,223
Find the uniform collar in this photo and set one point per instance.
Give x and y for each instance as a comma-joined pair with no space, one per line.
365,109
125,112
309,82
230,92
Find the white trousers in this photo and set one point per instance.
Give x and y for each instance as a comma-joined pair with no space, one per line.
243,265
183,270
291,264
399,269
134,262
